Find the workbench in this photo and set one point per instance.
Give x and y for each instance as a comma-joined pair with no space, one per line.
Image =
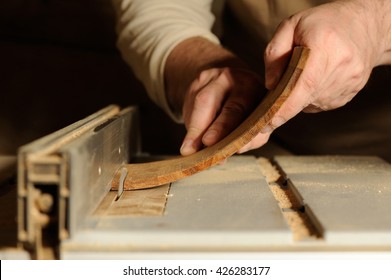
66,208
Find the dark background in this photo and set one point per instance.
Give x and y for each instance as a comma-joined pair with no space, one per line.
58,64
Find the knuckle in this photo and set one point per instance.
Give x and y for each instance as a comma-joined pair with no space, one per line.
346,55
324,103
328,35
270,50
288,22
202,99
358,72
205,77
193,131
330,38
227,77
209,73
309,84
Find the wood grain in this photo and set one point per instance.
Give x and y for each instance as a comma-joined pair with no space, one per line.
147,175
147,202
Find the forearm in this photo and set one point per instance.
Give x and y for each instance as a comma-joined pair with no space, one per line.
187,60
146,38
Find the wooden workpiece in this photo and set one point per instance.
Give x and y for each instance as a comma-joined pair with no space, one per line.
146,175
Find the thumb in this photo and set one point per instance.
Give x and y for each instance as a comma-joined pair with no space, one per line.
303,93
278,51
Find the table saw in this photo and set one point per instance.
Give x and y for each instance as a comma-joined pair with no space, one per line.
64,206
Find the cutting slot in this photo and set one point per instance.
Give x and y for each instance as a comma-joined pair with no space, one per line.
299,217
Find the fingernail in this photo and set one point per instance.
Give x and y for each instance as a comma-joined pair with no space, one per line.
244,149
267,129
277,121
241,151
187,148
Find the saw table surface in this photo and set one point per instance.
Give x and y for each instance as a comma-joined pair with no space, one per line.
349,196
230,208
64,207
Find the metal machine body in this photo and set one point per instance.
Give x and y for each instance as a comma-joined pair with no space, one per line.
249,205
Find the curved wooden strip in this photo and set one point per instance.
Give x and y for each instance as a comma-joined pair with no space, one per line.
146,175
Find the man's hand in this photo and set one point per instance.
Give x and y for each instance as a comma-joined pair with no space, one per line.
214,89
216,103
347,40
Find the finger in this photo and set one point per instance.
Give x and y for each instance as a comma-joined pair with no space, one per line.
204,80
277,52
234,110
206,104
303,94
245,92
231,115
223,162
258,141
312,109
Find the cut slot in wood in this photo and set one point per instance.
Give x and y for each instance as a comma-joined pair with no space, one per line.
293,210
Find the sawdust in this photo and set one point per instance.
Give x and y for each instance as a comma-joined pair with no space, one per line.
285,197
302,227
268,170
291,206
331,164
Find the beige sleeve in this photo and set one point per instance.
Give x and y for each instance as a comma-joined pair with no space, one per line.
149,29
